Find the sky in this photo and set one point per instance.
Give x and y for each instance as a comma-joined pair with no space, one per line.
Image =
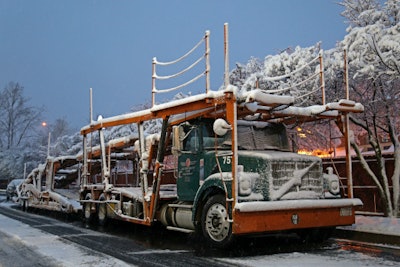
57,50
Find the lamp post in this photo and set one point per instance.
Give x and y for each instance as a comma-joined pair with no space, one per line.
44,124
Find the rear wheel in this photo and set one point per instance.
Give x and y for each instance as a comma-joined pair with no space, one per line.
216,227
102,211
24,205
87,209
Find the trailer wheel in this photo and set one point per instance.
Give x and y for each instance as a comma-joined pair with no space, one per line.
87,209
102,211
216,227
24,205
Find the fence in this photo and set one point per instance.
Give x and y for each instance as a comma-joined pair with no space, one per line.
363,186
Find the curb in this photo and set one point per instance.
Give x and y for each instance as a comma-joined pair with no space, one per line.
367,237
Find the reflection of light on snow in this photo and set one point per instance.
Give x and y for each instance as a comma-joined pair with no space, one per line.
335,258
302,135
322,153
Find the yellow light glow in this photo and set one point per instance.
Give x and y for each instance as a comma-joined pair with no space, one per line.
317,152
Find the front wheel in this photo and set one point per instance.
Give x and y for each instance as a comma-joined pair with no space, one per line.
216,227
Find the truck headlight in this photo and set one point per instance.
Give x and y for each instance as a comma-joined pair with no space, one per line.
334,186
331,182
244,185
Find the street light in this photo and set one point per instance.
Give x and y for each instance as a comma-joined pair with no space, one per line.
44,124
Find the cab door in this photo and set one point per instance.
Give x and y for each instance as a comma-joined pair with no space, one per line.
190,165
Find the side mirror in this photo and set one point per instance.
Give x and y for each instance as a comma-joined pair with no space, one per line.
177,144
221,127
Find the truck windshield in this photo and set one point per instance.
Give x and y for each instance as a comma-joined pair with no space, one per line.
259,136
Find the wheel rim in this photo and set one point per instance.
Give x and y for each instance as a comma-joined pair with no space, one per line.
87,211
102,212
217,224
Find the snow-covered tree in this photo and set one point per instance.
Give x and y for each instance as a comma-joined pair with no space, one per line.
240,74
60,128
16,116
373,52
292,72
67,145
373,49
361,13
17,120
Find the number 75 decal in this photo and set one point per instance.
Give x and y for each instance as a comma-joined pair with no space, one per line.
227,159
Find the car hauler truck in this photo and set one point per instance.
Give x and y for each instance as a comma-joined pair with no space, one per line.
55,184
221,166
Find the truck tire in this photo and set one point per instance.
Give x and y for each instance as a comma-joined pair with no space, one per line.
87,210
102,211
24,205
217,230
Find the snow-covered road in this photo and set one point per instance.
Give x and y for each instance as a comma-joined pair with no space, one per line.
33,237
326,257
53,250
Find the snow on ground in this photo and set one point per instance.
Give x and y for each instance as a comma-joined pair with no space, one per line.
68,254
296,259
63,252
376,225
368,224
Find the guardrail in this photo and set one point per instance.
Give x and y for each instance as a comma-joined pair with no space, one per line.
2,191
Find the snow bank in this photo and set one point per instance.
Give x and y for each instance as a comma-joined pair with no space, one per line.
376,225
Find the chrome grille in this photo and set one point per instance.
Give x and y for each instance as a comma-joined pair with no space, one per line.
282,171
